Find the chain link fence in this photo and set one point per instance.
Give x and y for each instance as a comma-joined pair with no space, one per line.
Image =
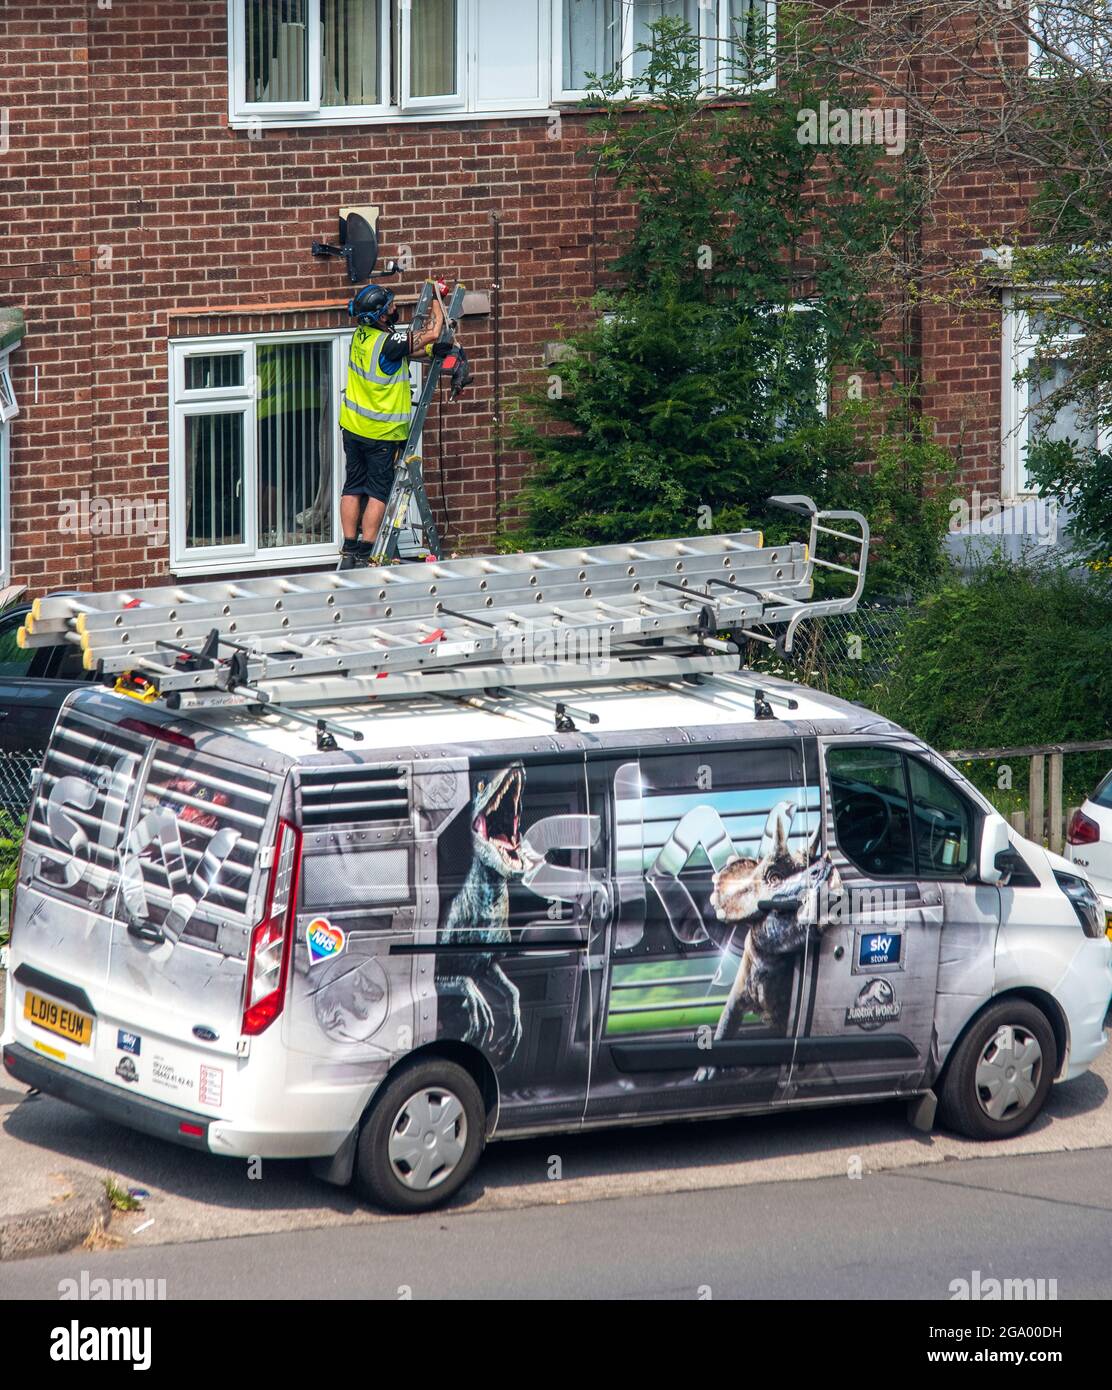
848,655
16,772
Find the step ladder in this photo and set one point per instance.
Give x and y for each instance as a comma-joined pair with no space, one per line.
408,487
652,609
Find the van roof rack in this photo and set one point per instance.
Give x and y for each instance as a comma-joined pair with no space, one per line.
649,610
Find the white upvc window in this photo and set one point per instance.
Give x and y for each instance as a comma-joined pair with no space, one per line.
294,62
255,456
1074,31
1027,414
604,36
9,406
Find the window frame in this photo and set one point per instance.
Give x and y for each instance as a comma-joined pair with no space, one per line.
907,756
1018,346
1038,66
454,101
245,557
707,42
237,45
464,104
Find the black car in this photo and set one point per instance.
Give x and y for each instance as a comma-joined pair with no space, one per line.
33,684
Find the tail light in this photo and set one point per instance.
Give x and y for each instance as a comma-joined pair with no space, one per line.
1083,830
268,956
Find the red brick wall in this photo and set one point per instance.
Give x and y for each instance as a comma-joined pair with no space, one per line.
129,201
127,198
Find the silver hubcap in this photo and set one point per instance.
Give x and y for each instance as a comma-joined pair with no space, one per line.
1008,1073
427,1138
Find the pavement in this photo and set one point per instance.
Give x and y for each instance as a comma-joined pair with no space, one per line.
906,1233
47,1146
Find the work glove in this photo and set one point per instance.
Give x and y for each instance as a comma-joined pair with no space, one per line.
460,369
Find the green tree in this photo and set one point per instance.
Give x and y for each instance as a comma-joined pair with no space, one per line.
749,293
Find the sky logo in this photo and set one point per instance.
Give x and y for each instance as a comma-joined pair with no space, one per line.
882,949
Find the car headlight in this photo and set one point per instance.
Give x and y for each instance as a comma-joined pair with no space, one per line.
1089,908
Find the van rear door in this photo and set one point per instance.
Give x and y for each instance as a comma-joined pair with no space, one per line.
146,865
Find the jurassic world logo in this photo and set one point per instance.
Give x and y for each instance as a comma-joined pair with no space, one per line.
875,1005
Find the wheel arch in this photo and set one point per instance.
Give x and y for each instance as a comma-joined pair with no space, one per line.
1044,1002
339,1168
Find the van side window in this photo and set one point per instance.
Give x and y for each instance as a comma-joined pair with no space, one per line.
944,822
895,816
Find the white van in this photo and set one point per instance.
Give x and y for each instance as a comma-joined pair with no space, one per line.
549,860
477,926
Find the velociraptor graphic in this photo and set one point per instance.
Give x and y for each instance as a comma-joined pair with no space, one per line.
480,914
763,983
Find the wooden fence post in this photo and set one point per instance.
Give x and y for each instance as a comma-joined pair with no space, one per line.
1035,788
1057,833
1019,822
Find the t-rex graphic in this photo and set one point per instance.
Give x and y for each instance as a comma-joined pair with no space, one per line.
763,983
474,981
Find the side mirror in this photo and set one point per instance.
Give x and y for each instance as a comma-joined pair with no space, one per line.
995,847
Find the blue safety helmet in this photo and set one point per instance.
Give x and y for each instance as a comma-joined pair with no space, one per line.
373,305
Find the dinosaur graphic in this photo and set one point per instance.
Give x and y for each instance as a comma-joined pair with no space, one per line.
773,937
474,982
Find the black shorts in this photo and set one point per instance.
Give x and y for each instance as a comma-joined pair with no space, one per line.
369,465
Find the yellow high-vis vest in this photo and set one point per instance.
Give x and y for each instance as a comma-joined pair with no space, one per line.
375,404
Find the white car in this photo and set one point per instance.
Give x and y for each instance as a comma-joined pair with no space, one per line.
1089,841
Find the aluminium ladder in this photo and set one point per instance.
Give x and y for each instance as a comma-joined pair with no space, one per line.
652,610
408,485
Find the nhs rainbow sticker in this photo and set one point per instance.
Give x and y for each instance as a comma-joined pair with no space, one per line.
325,941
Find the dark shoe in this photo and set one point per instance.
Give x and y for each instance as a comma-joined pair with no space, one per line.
363,554
349,555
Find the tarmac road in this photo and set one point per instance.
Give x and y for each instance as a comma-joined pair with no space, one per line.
892,1235
195,1196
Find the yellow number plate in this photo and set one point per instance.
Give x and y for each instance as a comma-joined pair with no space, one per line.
68,1023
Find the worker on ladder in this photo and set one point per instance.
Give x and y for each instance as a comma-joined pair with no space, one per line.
375,413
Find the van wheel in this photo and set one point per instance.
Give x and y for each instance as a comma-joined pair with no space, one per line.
422,1138
998,1078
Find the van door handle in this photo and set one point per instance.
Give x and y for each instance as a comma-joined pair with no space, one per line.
782,902
144,933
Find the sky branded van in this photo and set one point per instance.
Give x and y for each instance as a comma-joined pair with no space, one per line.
482,900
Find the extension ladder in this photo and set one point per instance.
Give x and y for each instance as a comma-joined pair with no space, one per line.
655,608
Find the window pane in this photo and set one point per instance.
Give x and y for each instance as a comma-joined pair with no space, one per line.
350,62
212,370
1072,31
649,12
277,57
744,41
432,52
295,433
943,822
591,40
872,818
1043,421
214,479
14,659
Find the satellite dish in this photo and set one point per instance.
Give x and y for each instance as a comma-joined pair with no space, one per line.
359,239
358,244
